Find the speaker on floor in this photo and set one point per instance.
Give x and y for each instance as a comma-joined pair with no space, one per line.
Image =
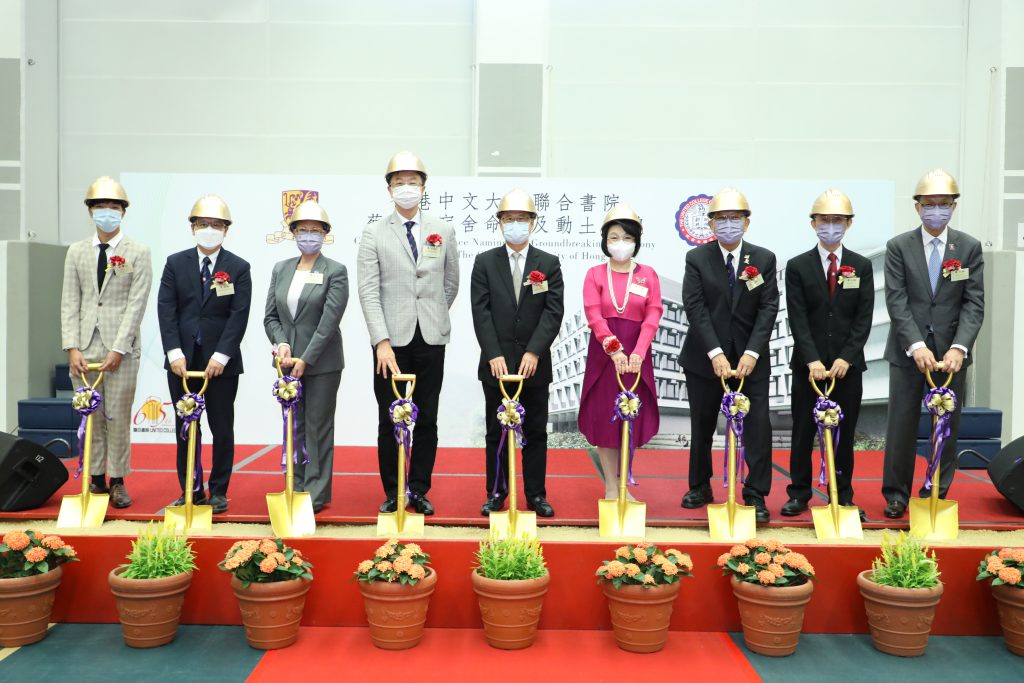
29,474
1007,472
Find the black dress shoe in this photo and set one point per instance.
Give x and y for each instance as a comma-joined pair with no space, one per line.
698,497
541,506
895,509
851,504
197,499
492,504
389,505
421,505
760,510
219,504
96,488
793,507
119,497
317,508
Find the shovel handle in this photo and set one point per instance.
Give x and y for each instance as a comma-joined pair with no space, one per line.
411,379
829,390
941,365
622,386
277,360
511,378
195,374
732,375
92,367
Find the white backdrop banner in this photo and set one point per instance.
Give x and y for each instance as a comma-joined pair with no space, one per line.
571,210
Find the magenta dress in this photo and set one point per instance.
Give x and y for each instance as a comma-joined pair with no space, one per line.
635,328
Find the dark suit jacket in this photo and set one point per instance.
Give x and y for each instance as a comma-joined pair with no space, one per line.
737,323
954,315
185,309
828,328
506,329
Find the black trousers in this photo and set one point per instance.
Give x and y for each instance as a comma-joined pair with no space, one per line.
535,428
705,397
426,361
805,449
220,411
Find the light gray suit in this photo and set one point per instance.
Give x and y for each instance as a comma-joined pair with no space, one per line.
314,335
952,316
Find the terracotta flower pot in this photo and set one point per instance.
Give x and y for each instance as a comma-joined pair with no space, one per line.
640,615
25,607
772,616
149,609
396,613
510,610
900,618
1010,603
271,612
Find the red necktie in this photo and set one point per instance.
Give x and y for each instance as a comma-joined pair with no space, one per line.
833,274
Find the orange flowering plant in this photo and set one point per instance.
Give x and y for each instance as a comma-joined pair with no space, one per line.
30,552
265,560
644,564
405,563
768,563
1003,566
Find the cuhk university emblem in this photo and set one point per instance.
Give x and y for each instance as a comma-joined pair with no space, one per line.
692,220
289,200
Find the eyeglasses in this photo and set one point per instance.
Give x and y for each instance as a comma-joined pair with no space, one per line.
615,239
505,220
201,225
942,205
409,183
723,218
831,218
309,231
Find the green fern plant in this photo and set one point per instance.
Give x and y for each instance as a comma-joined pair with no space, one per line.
159,552
511,559
905,563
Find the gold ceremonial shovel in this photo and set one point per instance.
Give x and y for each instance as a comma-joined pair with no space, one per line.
513,523
85,509
618,516
400,522
728,521
833,520
291,511
188,516
930,518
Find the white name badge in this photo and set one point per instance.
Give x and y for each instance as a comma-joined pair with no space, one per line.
314,278
639,290
432,251
851,283
958,275
225,289
540,287
755,282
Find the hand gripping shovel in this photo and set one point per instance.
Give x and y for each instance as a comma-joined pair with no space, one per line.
189,517
930,518
85,509
512,524
832,520
728,521
403,415
291,511
618,516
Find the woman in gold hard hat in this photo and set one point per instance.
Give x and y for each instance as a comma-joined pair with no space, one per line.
306,300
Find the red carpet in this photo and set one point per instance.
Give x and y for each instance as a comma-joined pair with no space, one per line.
458,488
452,655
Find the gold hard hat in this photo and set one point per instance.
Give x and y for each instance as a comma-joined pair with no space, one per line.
106,187
937,181
517,200
621,212
210,206
405,161
728,199
309,210
832,202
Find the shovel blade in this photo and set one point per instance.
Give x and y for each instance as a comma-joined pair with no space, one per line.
83,511
632,524
291,521
411,526
503,526
826,526
202,517
741,527
944,526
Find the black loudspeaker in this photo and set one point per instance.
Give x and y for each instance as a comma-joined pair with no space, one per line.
29,474
1007,472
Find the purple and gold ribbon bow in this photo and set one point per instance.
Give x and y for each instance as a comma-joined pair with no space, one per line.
940,402
403,414
627,409
190,408
511,414
827,415
288,392
86,401
735,407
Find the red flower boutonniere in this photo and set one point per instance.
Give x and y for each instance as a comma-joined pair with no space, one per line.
846,272
116,263
434,240
535,278
749,273
220,278
949,267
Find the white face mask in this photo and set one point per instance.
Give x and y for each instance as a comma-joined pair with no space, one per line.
621,251
209,238
107,220
407,196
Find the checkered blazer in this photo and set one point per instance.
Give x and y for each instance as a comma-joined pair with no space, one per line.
116,310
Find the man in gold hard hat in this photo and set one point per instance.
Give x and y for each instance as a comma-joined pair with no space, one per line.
408,272
518,301
830,299
935,295
106,287
203,307
731,297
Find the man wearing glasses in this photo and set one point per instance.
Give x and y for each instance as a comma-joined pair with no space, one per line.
408,273
203,307
936,300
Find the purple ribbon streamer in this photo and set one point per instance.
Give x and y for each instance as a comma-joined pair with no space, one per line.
506,426
403,432
938,401
619,412
279,390
734,423
825,404
186,420
84,407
